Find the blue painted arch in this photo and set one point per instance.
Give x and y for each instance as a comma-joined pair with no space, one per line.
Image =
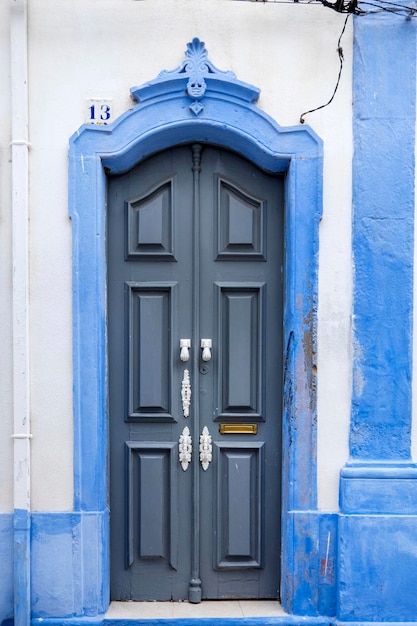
225,114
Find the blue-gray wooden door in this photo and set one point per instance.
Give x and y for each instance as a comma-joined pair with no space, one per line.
195,251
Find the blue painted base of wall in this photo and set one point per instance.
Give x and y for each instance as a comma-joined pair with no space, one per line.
70,560
355,568
290,620
70,565
309,563
6,566
377,558
377,567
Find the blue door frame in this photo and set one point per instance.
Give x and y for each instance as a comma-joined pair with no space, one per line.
197,106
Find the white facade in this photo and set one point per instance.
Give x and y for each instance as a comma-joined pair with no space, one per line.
81,50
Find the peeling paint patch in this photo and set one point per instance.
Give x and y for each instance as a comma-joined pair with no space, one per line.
358,379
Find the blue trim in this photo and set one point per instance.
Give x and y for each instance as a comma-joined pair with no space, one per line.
245,621
287,620
200,72
229,119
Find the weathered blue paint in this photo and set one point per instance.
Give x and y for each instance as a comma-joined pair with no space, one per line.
378,488
327,564
378,562
68,549
22,567
55,542
377,542
383,223
6,567
229,118
312,563
387,488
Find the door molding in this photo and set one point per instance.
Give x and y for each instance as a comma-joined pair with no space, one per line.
197,103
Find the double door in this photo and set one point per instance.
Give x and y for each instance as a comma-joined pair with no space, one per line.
195,255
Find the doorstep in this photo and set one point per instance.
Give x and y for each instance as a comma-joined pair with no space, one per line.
242,613
176,610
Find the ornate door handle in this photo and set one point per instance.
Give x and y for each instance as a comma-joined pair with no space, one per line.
206,347
185,448
205,448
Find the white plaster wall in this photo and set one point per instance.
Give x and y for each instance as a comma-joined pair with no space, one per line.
83,48
6,458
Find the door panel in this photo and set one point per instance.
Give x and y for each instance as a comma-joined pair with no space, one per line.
151,501
240,222
149,294
239,505
149,225
150,351
240,343
243,384
195,250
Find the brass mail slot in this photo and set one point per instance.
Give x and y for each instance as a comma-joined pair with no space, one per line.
238,429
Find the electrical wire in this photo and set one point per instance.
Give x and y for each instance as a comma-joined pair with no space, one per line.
355,7
341,61
351,7
389,7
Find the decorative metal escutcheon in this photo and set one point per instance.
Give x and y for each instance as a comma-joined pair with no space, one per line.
185,448
186,393
205,448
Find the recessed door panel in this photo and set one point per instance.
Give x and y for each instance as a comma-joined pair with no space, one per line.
239,505
151,501
240,223
241,338
149,349
195,253
149,224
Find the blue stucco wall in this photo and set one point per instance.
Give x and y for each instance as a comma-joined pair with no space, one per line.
378,564
384,116
377,556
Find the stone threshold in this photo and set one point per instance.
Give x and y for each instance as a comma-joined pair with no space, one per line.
185,610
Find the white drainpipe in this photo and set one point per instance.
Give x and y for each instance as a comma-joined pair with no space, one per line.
20,251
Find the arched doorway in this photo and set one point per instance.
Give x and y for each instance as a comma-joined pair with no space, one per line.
181,108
